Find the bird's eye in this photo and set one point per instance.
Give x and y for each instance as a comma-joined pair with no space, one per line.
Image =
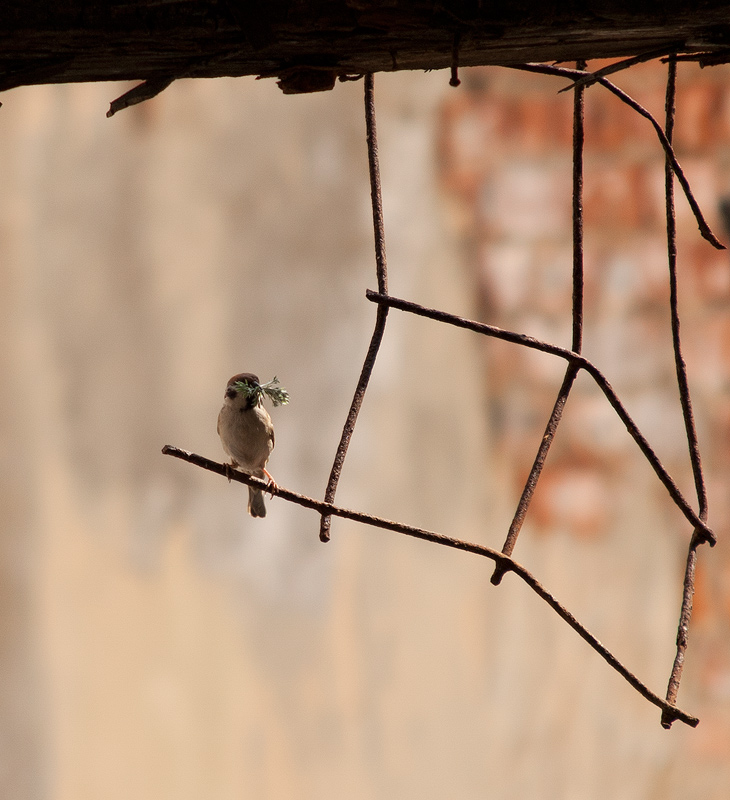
231,392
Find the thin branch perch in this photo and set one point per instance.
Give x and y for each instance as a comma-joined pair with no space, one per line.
508,564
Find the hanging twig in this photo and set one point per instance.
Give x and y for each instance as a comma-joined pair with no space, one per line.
382,313
685,614
581,363
577,339
508,564
547,69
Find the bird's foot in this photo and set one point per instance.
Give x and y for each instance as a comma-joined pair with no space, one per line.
271,487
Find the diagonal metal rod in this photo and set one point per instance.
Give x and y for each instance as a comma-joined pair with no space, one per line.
618,66
581,363
547,69
437,538
685,614
571,372
531,483
382,312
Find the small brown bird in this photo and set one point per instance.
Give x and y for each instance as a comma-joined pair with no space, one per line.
247,434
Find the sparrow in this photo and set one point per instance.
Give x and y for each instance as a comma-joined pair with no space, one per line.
247,434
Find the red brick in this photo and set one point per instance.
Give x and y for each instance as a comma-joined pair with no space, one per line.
610,125
619,194
705,272
702,109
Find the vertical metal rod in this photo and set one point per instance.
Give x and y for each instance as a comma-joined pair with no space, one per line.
577,339
578,144
681,368
685,614
382,311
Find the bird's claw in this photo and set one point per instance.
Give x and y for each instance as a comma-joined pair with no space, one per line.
271,487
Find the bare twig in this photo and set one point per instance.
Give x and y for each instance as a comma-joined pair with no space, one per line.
581,363
547,69
382,313
577,340
685,614
509,564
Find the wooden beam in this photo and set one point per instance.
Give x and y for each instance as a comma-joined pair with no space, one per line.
308,43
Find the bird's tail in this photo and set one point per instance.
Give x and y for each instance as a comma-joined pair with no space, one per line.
256,507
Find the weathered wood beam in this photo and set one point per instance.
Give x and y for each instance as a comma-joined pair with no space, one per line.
308,43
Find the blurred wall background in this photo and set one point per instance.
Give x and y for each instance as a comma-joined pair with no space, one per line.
157,642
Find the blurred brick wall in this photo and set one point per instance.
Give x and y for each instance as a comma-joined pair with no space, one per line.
505,145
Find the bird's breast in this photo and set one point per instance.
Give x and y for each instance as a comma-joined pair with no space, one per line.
247,436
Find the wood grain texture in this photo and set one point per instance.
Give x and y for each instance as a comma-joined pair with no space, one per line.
309,43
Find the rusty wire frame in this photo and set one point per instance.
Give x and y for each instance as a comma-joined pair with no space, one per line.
504,563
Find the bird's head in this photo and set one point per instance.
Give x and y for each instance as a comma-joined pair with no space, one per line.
246,391
243,391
